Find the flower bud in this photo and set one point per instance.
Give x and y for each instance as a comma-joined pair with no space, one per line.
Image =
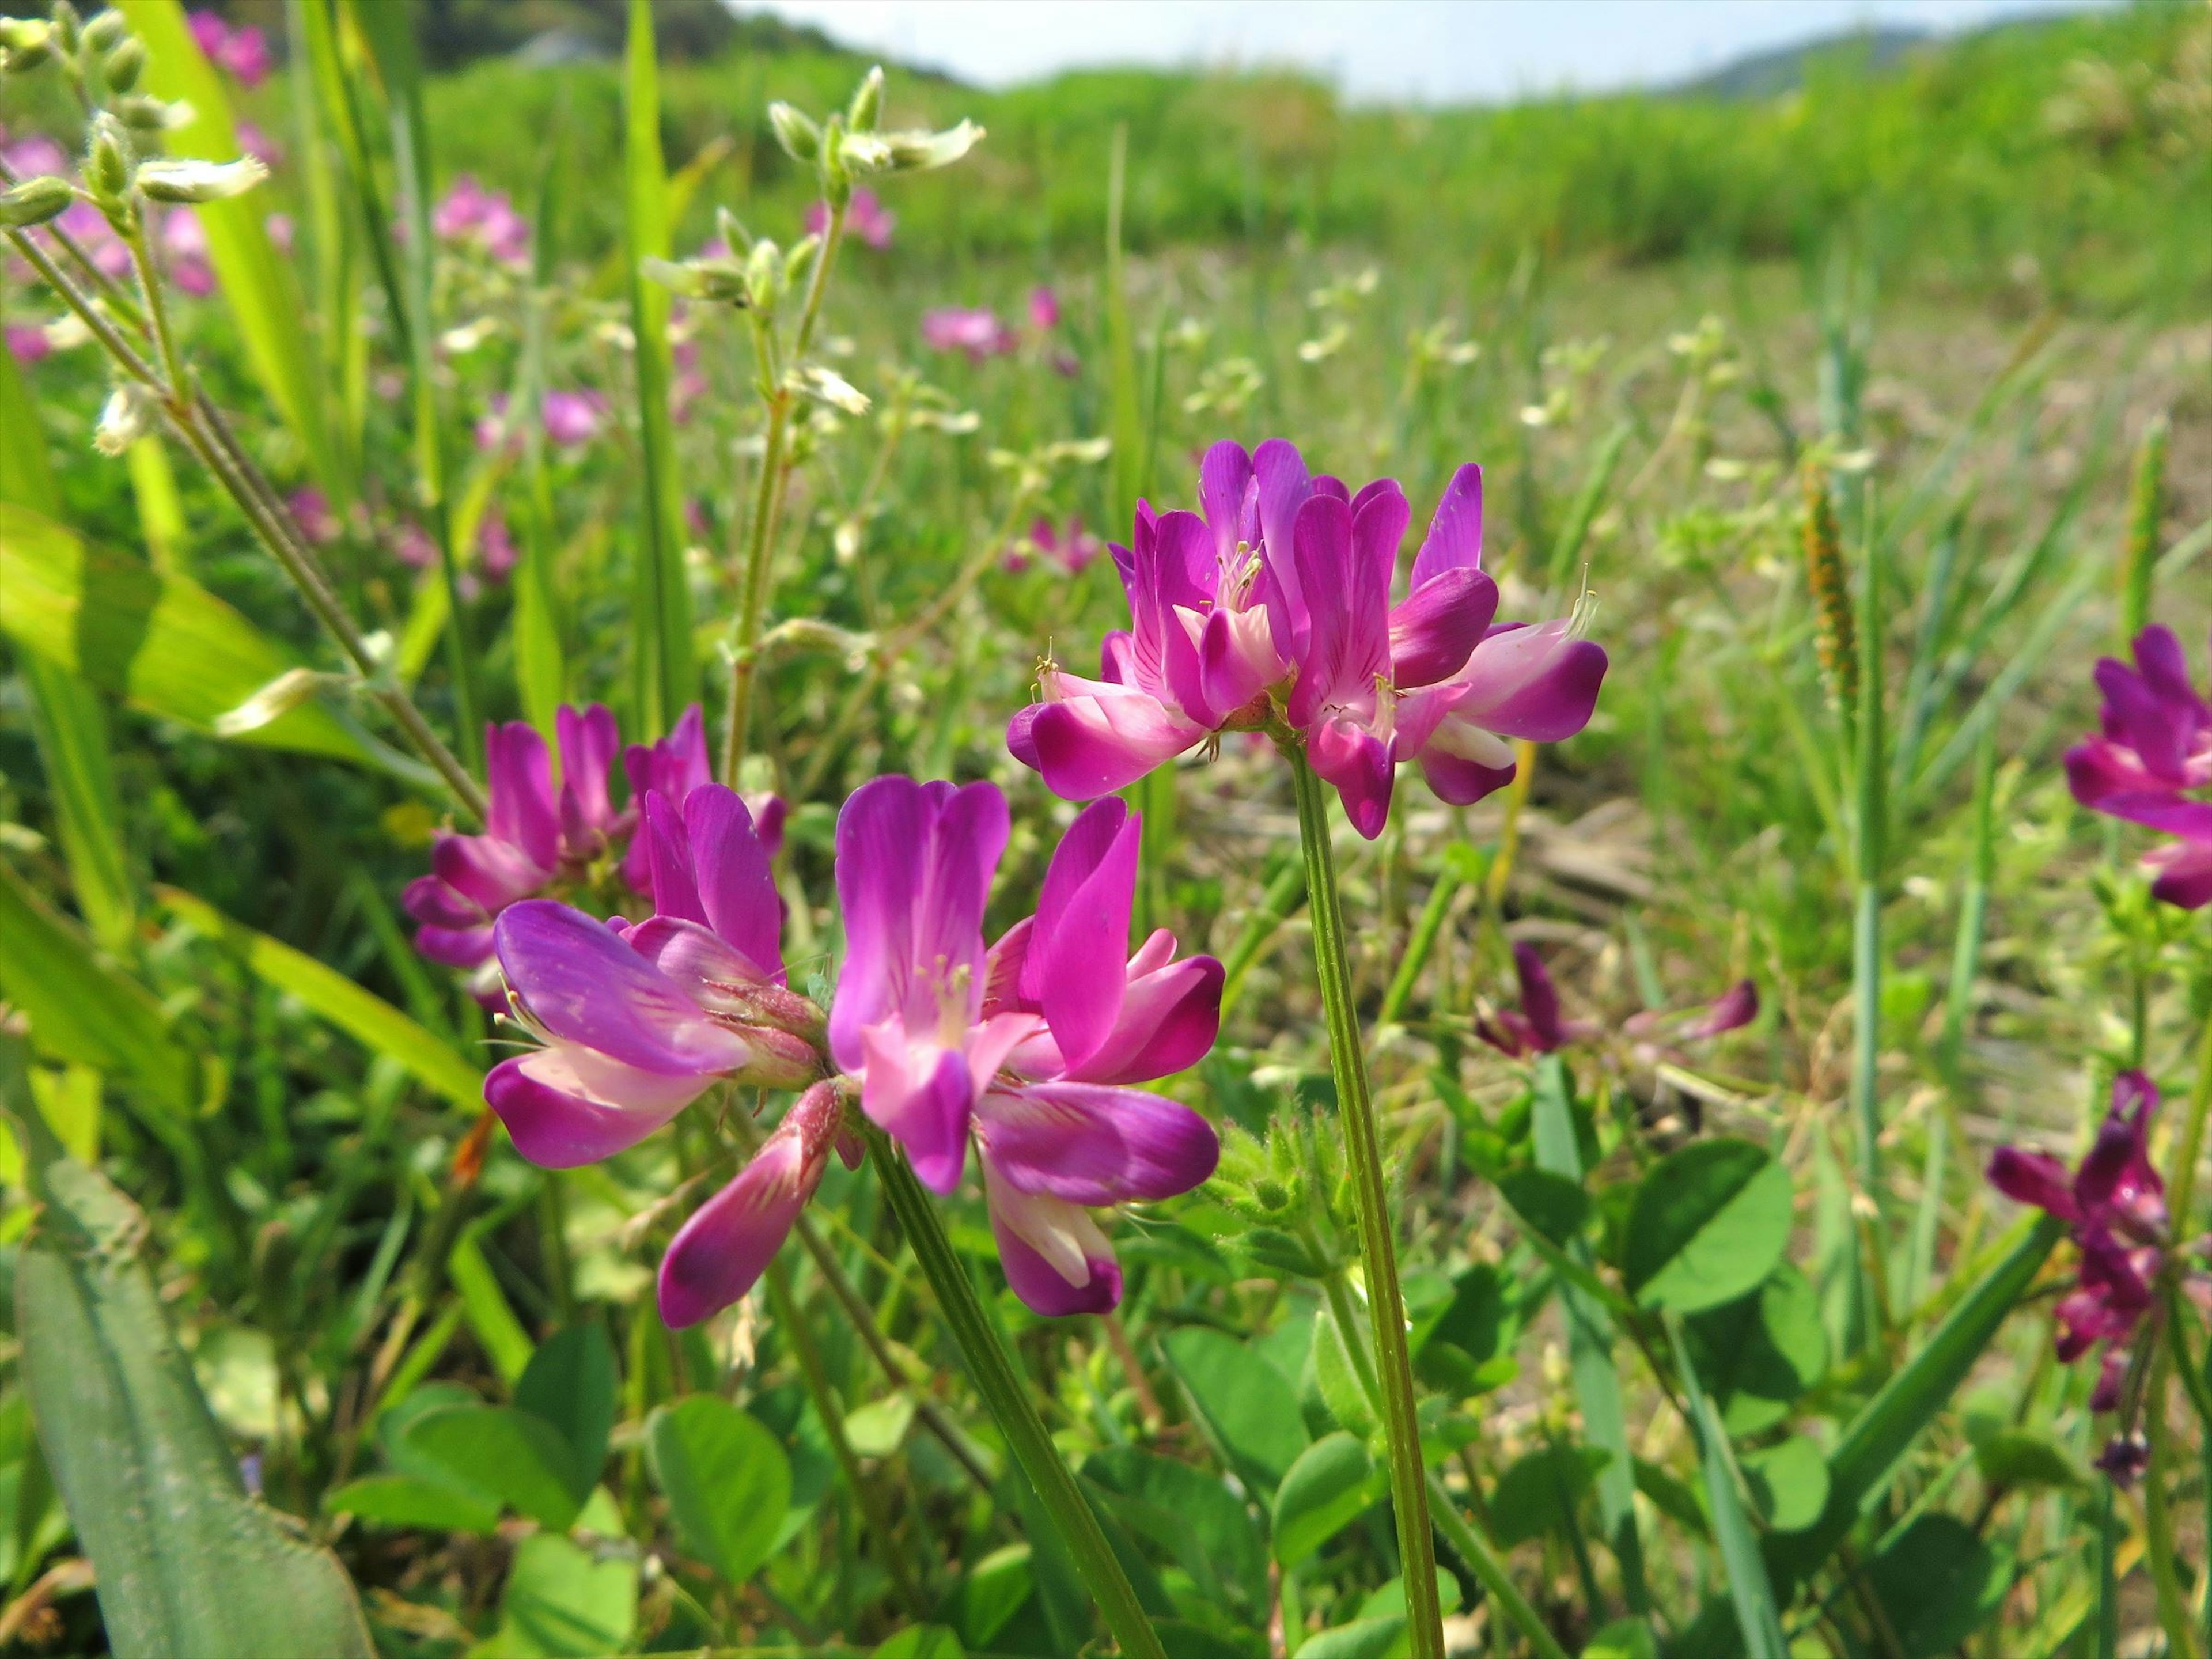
25,43
188,181
910,152
142,114
124,65
33,202
867,102
721,281
127,417
68,28
801,138
104,32
107,161
778,1059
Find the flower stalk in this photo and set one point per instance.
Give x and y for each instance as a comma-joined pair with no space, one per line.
1378,1254
1004,1392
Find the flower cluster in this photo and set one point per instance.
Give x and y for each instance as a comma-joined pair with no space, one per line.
978,332
2151,763
1538,1026
1027,1049
1071,549
2115,1205
538,834
471,217
242,51
1271,604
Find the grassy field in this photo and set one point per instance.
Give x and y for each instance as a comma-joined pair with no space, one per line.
1723,1342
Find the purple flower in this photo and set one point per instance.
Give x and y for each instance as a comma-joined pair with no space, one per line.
2153,754
89,226
496,545
2115,1204
1073,549
637,1021
34,154
974,330
672,769
865,217
27,343
311,511
1028,1047
244,52
532,833
572,419
260,145
472,216
1044,309
1535,1027
185,242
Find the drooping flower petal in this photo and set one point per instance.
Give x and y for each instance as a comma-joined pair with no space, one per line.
565,1106
1056,1260
1074,969
718,1254
1454,538
2034,1178
1437,627
1090,1144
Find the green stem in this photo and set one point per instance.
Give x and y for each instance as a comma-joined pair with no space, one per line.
1393,1361
1866,861
993,1373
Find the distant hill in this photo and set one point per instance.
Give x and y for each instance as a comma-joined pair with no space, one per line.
1781,69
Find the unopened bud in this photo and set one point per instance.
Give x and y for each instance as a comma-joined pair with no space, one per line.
68,28
200,181
25,43
777,1059
867,102
107,161
910,152
784,1011
124,65
33,202
105,31
142,114
801,139
721,281
127,417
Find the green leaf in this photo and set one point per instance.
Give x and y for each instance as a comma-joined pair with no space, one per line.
922,1642
187,1563
1758,1355
360,1014
1247,1407
1751,1588
570,1382
1555,1205
993,1591
1333,1481
1190,1514
79,1009
1180,1639
878,1428
399,1500
1624,1638
485,1305
560,1603
516,1455
660,619
1789,1483
1362,1638
1938,1582
256,282
161,642
1538,1494
1709,1222
1336,1380
2021,1457
726,1482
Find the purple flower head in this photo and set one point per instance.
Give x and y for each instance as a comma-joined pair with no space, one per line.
496,545
27,343
1073,549
637,1021
243,52
2124,1458
311,511
865,217
672,768
1734,1008
974,331
1536,1026
34,154
1044,309
2151,763
470,216
1029,1047
532,835
572,419
260,145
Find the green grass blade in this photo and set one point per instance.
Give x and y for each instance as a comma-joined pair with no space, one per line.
1749,1587
187,1563
256,282
362,1015
1461,865
1583,512
1126,403
660,619
1869,855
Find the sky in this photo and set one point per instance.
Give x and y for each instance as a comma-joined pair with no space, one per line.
1381,51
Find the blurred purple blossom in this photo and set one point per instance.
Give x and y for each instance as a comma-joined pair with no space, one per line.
1044,309
27,343
572,419
2151,763
242,51
472,216
974,331
311,511
865,217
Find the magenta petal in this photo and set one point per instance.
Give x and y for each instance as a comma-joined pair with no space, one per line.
718,1255
456,947
1090,1144
1087,746
882,833
1021,737
1458,781
1056,1260
430,899
1439,624
668,850
1074,969
698,959
589,743
1532,683
519,777
1040,1286
1454,538
1540,998
565,1107
487,870
737,885
1168,1020
2034,1178
1360,765
925,1107
586,986
1736,1007
2184,874
1224,477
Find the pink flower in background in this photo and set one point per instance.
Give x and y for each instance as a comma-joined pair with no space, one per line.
2151,763
416,549
27,343
491,426
242,52
973,331
677,767
470,216
184,244
865,217
279,227
572,419
496,545
311,511
690,384
1535,1027
258,144
1044,309
89,226
1073,550
34,154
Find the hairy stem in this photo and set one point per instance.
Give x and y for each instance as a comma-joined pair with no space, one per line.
1394,1360
992,1372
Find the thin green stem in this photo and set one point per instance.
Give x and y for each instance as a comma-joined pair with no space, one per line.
1394,1360
1868,856
993,1373
1488,1566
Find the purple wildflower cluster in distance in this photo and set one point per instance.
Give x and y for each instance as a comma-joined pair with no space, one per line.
240,50
1273,605
1539,1025
1028,1048
470,215
865,217
2151,763
2115,1205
